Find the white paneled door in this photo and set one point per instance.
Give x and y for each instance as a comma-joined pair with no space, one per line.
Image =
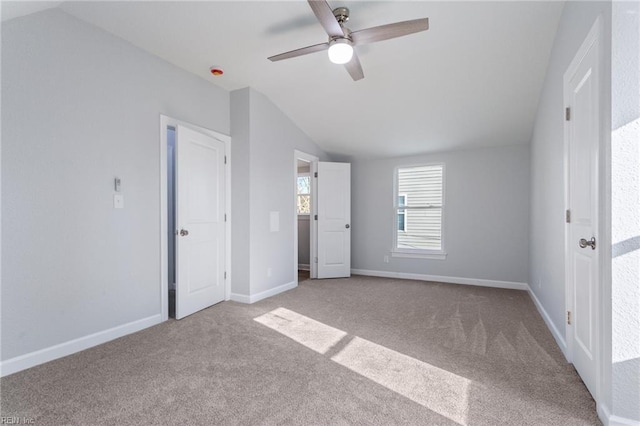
200,233
581,86
334,220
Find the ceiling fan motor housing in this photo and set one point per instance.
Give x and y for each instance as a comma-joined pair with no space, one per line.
341,14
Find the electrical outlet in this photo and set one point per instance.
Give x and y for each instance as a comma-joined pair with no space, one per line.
386,259
269,272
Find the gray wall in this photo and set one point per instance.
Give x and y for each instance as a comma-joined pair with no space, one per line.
269,139
486,215
240,196
79,107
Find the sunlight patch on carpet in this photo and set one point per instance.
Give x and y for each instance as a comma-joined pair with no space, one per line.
434,388
304,330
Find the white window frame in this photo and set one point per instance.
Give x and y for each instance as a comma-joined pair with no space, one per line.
417,253
302,215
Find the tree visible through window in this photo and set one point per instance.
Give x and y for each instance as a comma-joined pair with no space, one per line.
304,195
419,204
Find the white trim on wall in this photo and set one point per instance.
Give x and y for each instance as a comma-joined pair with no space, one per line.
610,420
562,344
165,122
443,279
243,298
51,353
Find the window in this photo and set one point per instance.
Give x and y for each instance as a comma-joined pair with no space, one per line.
402,223
418,211
304,194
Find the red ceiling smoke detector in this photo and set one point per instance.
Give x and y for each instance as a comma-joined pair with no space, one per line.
216,71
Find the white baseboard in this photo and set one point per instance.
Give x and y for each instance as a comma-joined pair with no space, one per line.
240,298
253,298
41,356
608,420
562,343
603,413
622,421
303,267
443,279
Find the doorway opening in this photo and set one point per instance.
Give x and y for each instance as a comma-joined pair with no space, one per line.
305,256
171,218
303,211
195,218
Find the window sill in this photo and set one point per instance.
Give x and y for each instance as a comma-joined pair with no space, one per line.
418,255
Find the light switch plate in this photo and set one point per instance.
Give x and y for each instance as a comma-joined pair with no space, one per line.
118,201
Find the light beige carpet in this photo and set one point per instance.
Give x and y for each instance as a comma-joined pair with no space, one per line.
346,351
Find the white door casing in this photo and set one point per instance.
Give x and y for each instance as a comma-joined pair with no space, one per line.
200,221
334,220
582,139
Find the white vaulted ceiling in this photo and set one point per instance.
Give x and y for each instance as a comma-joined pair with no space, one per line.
473,79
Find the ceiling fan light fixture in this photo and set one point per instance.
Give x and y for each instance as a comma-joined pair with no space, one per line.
340,51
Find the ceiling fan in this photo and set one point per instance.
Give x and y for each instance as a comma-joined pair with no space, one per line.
342,39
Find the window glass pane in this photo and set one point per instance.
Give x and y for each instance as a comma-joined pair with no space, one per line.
304,199
401,222
422,185
423,229
304,185
304,204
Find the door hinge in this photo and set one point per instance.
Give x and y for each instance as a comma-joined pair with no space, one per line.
567,216
315,217
225,159
225,275
569,317
315,174
315,260
225,217
567,114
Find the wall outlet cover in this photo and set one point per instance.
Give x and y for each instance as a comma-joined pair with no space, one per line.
118,201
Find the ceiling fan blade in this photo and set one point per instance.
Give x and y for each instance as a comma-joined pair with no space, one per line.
300,52
385,32
354,68
325,16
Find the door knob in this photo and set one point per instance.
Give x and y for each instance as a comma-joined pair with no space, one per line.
591,243
184,232
347,226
